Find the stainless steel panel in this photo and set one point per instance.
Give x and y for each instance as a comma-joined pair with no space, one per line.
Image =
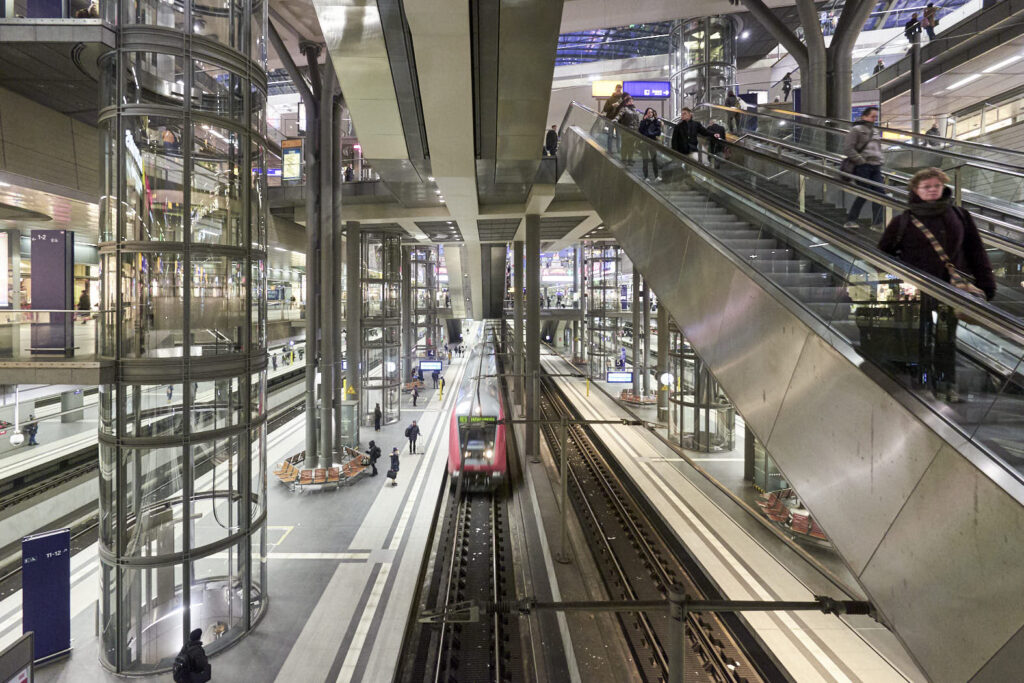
948,575
851,450
1006,665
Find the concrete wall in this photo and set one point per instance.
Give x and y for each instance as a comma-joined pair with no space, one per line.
45,145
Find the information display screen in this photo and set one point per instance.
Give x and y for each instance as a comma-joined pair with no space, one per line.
430,365
619,377
651,90
291,150
477,419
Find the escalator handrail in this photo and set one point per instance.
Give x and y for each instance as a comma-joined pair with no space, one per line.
985,314
838,126
852,187
858,189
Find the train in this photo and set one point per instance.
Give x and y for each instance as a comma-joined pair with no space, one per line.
476,443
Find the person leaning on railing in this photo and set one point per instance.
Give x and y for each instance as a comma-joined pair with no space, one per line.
942,240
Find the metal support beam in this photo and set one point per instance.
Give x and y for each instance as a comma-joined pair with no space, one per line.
327,266
663,337
533,330
517,342
312,153
408,338
298,81
353,310
915,84
337,259
636,331
647,339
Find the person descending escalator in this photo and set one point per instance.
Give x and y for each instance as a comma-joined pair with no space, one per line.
941,239
650,128
863,158
627,117
787,86
684,137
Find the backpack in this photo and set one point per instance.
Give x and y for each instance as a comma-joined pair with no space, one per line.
181,670
408,431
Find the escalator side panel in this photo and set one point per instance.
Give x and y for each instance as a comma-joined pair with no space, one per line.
848,438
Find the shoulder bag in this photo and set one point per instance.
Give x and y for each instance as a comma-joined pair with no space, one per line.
847,165
956,278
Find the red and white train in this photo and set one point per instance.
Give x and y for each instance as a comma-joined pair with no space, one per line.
476,444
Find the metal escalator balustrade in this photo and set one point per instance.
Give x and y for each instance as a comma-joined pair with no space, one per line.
817,340
988,177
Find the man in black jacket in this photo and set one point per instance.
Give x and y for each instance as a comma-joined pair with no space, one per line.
191,665
374,452
412,432
684,137
551,142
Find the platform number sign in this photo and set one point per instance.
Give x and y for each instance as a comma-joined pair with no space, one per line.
46,592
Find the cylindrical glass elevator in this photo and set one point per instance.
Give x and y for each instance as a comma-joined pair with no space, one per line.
702,61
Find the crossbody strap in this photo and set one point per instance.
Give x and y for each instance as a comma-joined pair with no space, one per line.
954,275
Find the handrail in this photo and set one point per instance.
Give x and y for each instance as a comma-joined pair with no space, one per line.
840,126
1005,324
894,174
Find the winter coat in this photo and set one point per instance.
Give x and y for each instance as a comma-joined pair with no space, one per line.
732,101
611,106
862,137
412,431
715,146
684,137
394,461
628,116
551,140
651,128
953,228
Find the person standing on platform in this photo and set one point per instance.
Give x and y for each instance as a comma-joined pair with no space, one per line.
393,472
31,429
84,306
377,415
374,452
415,395
551,142
434,375
191,665
412,432
441,384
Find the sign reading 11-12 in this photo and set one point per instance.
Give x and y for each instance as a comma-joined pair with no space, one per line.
651,90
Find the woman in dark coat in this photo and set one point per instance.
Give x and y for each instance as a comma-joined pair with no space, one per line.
650,128
377,414
955,230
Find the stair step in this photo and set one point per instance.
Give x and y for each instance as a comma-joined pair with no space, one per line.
800,279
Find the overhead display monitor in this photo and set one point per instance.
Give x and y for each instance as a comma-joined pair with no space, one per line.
603,88
619,377
430,365
648,90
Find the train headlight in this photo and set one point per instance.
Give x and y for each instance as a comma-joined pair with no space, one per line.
488,453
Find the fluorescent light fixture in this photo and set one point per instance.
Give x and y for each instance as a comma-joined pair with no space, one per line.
1004,63
744,35
279,249
964,81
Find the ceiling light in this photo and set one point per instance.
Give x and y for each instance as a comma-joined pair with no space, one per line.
963,81
744,35
430,178
1000,65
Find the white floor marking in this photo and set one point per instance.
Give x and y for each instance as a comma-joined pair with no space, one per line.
363,629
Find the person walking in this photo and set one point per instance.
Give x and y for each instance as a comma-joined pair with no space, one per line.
377,415
684,137
374,452
650,128
84,306
441,384
349,174
733,102
434,376
863,151
31,429
412,432
190,664
912,29
393,471
551,141
939,238
415,395
929,20
787,85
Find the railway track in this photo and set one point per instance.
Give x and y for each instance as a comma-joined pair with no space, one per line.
637,563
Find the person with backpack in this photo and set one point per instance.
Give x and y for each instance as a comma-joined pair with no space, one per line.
434,376
412,432
941,239
393,471
190,664
863,158
374,452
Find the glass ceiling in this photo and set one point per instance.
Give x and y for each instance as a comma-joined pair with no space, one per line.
635,40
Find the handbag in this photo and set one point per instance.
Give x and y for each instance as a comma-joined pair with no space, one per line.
392,474
956,278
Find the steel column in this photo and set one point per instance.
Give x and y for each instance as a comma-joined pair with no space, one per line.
337,259
636,330
408,338
312,147
647,339
327,268
517,343
353,310
663,337
915,85
533,332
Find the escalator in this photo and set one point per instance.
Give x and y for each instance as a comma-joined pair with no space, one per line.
989,180
814,336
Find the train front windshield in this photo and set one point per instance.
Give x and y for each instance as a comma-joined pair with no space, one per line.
477,437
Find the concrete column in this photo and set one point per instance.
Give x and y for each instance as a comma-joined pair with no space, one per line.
327,266
408,338
517,298
637,335
353,312
71,401
915,85
532,333
10,334
584,302
663,337
312,276
337,259
647,339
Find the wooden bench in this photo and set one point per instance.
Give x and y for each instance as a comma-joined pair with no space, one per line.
409,386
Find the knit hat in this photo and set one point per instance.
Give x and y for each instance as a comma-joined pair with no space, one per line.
196,635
